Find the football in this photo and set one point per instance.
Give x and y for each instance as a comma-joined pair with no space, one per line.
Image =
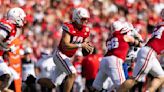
85,52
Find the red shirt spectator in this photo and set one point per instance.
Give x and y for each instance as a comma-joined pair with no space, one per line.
90,66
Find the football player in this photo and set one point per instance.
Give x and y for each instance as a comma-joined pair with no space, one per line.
75,35
117,49
8,32
147,61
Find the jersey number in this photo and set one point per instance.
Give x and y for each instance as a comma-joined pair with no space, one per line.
113,43
158,33
77,39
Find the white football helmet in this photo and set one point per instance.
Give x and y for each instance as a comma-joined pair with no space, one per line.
127,27
80,13
116,26
17,16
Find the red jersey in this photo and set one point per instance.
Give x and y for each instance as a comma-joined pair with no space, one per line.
157,40
117,46
7,30
77,36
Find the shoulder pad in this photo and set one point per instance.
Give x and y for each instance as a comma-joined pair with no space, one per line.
5,26
65,27
68,27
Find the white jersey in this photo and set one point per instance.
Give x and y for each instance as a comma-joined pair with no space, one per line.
132,54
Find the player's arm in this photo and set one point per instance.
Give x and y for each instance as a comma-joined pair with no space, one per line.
66,42
133,41
137,35
3,35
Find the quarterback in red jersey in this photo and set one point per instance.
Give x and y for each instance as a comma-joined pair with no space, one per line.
117,49
8,32
147,61
75,36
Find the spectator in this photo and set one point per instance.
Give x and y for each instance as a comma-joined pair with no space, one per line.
90,67
28,69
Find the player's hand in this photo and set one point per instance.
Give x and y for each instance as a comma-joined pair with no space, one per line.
89,48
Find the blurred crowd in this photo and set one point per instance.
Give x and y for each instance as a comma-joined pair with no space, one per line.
42,32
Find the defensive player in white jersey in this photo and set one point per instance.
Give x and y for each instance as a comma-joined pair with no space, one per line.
45,72
117,48
147,61
75,35
8,32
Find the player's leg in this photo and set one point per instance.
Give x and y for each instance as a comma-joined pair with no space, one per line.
99,80
5,76
161,89
63,63
155,84
157,72
116,73
128,84
101,76
69,82
147,57
108,85
141,69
